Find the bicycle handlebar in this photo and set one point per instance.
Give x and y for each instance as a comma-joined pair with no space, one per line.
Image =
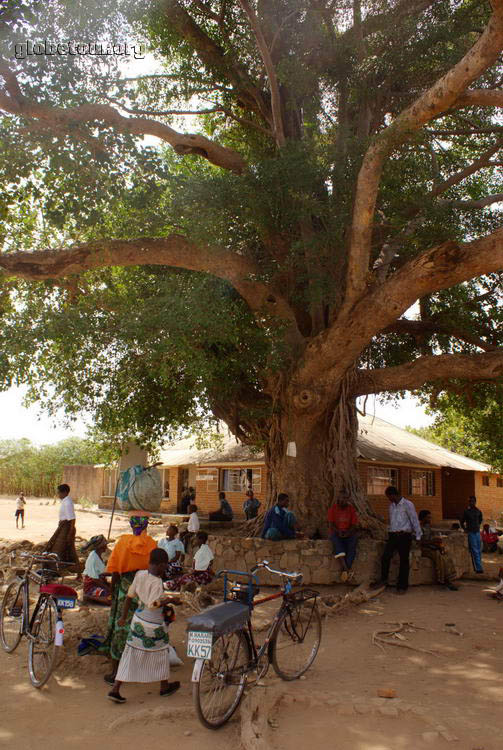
265,564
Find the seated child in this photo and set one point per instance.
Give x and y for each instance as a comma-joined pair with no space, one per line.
175,549
202,572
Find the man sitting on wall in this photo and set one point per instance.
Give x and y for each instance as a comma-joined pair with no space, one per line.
279,522
224,513
342,526
432,547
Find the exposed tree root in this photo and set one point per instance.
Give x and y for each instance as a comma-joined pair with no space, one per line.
394,637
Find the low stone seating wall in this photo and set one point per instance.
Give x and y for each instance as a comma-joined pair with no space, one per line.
315,560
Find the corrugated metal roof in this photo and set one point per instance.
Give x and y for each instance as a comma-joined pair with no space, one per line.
381,441
183,453
377,441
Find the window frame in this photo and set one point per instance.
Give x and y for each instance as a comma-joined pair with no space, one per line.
242,479
486,480
429,482
392,480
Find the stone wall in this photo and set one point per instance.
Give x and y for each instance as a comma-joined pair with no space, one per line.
315,561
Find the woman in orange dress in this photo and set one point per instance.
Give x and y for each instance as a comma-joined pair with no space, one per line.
130,554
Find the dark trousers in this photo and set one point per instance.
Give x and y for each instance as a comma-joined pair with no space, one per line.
217,515
397,542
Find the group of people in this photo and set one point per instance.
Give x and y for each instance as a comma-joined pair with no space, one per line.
141,576
224,512
136,583
405,525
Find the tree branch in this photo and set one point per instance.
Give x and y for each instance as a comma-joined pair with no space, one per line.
277,116
430,326
331,353
439,98
484,160
443,367
488,200
480,98
182,143
175,250
217,59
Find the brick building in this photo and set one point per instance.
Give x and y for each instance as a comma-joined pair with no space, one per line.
431,476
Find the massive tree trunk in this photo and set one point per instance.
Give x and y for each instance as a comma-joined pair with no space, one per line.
312,455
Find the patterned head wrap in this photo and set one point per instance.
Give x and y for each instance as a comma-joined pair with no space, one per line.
138,524
94,543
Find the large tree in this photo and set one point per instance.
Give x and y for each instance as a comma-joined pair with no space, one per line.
331,229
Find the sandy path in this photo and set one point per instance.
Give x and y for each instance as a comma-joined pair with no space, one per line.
41,520
458,691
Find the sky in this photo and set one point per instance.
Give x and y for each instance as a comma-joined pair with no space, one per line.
16,421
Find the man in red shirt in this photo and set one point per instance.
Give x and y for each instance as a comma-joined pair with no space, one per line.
342,526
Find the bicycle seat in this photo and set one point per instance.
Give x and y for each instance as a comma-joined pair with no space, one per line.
58,589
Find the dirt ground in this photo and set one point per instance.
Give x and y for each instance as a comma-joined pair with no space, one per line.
451,698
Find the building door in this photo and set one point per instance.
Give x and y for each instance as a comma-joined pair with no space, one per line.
457,486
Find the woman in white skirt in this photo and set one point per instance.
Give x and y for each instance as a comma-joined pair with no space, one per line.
146,654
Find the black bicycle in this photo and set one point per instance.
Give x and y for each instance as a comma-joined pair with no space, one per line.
221,640
44,628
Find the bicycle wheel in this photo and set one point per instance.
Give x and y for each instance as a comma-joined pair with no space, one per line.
222,681
11,617
42,649
297,640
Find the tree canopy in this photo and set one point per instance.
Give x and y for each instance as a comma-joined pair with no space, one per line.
330,226
469,422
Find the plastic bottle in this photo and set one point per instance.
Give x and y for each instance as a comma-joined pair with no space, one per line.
60,630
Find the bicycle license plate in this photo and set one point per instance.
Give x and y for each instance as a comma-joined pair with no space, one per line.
199,644
65,603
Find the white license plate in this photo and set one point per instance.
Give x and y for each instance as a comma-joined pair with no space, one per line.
199,644
65,603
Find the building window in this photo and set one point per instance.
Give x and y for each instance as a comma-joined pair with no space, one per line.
109,482
499,481
165,482
379,477
240,480
421,483
485,481
183,480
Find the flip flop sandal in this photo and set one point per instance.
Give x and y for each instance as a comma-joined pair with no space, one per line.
173,687
116,698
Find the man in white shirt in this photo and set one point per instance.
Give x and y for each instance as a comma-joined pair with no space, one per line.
403,527
20,503
62,541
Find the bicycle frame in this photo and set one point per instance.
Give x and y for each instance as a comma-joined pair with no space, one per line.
285,593
29,624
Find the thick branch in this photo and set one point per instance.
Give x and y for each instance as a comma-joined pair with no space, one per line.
439,98
474,367
182,143
480,98
176,251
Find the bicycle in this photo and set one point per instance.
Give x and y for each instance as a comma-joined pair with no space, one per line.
44,629
221,640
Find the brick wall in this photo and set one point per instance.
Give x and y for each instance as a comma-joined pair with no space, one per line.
489,499
380,503
86,482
